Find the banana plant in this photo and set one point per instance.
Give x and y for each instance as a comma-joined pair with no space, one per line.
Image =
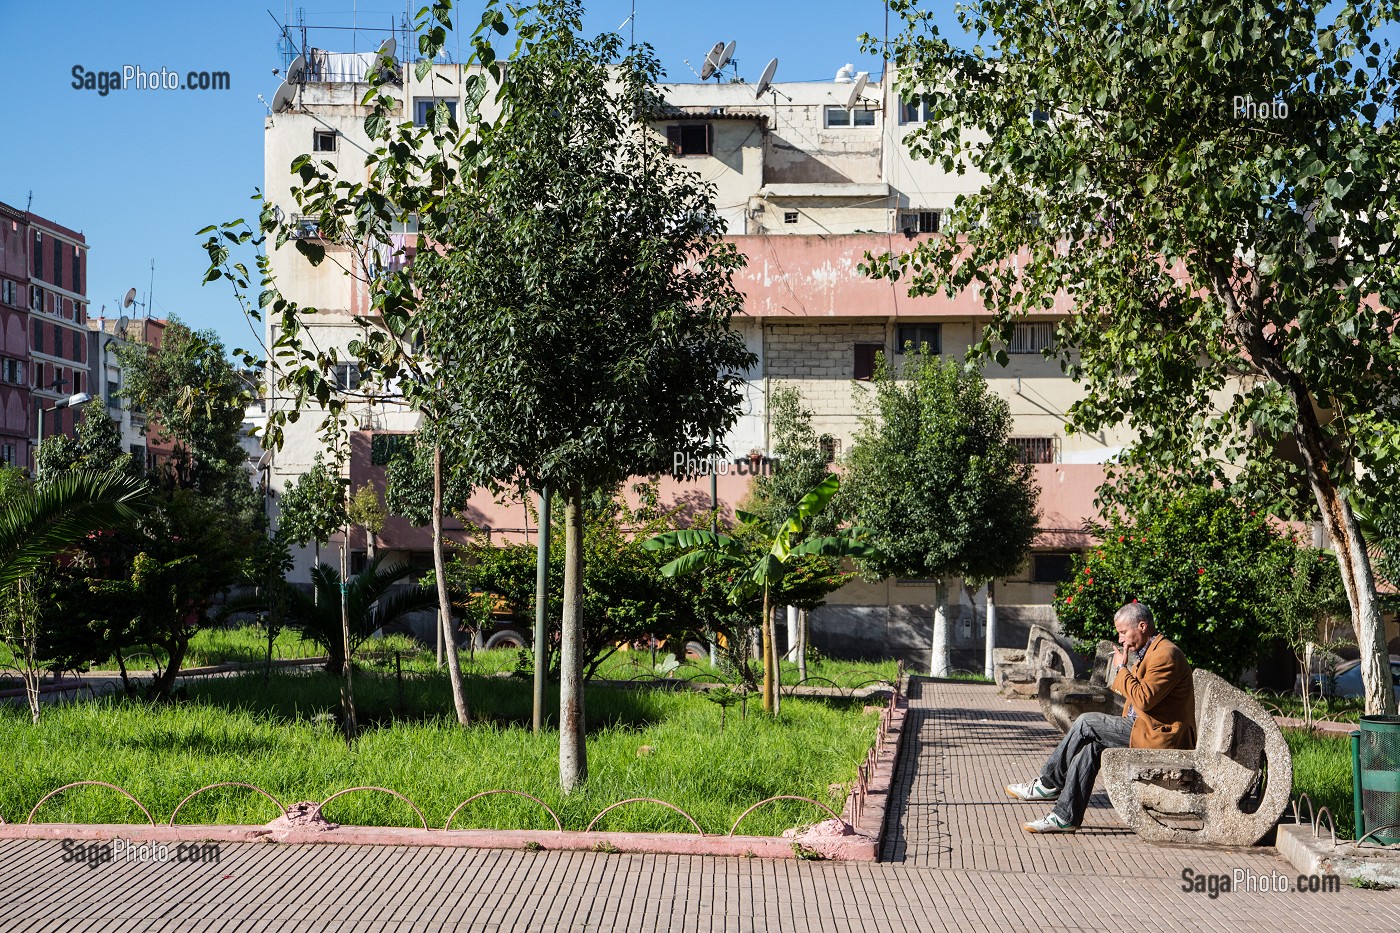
760,555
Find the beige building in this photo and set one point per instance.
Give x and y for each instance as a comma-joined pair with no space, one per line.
807,185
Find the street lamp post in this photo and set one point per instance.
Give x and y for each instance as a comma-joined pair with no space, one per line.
72,401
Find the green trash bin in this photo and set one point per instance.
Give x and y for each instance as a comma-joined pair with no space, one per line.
1375,752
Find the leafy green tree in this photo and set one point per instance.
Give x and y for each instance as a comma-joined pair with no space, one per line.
580,300
783,541
313,508
1235,274
1202,563
936,480
801,464
1304,596
366,510
97,447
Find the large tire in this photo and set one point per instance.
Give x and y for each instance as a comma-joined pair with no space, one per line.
506,638
697,650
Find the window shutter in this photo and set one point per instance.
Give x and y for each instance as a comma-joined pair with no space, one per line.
709,139
673,139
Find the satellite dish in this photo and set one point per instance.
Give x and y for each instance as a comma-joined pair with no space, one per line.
707,69
725,56
282,100
120,329
766,79
384,58
129,297
862,80
296,71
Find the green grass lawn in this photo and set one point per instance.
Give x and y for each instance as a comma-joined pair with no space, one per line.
282,736
1322,770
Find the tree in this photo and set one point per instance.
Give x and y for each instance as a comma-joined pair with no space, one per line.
1233,275
206,518
368,512
1201,562
372,598
1303,591
313,508
579,299
37,523
801,464
935,479
783,542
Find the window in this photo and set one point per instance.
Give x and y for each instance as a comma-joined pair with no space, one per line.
1032,338
384,447
113,390
77,346
840,117
1051,568
14,372
789,217
423,108
1035,449
913,111
7,451
7,292
38,255
304,228
688,139
58,263
347,377
918,335
830,447
912,223
323,140
58,305
36,298
38,337
865,360
77,270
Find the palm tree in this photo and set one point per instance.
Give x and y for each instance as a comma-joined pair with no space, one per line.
46,519
369,598
777,543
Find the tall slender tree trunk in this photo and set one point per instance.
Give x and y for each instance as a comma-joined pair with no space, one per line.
792,633
1339,521
938,652
347,693
991,640
769,658
573,754
449,637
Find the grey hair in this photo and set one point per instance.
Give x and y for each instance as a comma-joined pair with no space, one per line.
1133,613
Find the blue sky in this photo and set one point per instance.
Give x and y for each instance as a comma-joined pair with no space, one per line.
140,171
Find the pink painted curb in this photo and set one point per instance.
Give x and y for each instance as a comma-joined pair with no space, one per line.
857,848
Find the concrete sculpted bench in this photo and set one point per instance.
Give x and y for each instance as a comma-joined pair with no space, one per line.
1064,698
1018,671
1230,790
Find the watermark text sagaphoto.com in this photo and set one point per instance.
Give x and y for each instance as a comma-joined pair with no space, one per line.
1248,881
125,851
135,77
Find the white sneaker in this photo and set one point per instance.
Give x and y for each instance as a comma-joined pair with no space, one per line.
1050,824
1032,790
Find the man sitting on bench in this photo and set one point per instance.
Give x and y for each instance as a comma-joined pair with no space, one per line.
1160,713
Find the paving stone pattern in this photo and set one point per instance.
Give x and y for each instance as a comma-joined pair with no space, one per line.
956,859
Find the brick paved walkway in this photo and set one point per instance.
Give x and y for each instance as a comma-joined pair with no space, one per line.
957,860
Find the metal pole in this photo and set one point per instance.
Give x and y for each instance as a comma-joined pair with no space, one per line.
714,527
1358,811
541,607
38,466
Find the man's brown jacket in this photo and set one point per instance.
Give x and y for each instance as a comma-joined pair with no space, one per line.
1160,688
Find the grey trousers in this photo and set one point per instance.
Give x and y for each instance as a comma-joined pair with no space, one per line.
1075,762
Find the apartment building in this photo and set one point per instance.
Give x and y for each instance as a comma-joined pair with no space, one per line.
809,177
43,307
